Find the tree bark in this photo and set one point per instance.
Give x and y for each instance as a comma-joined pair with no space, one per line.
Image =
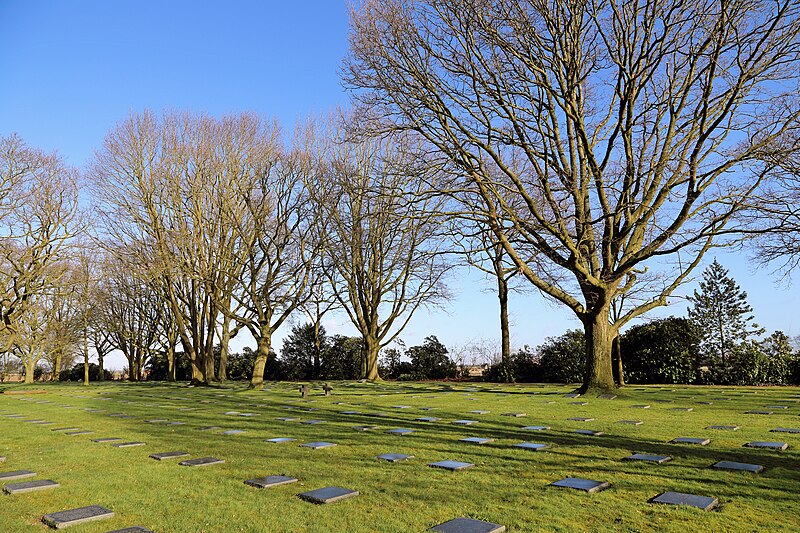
371,349
100,356
599,338
29,368
224,342
85,352
317,351
263,345
505,344
616,355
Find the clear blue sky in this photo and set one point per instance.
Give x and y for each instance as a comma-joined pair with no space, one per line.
69,71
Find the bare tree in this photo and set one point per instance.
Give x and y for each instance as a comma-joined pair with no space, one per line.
628,134
384,240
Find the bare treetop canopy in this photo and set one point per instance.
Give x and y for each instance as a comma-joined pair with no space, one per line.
593,135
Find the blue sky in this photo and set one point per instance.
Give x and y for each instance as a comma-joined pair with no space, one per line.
71,70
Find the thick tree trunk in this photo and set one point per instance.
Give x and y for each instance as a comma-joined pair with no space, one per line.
100,356
263,345
371,349
57,368
224,342
505,344
599,337
170,363
29,368
85,355
616,354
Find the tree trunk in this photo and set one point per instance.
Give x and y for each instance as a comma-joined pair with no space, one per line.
599,337
85,354
224,342
263,344
505,345
29,368
317,351
57,368
170,363
616,354
100,356
371,349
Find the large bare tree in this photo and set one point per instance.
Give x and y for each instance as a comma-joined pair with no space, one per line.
628,135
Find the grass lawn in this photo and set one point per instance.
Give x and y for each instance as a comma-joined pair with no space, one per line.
507,485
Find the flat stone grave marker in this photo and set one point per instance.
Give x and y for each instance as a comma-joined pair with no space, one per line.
649,458
313,422
128,444
279,440
451,465
427,419
30,486
480,412
587,485
468,525
65,429
631,422
348,413
427,408
704,403
691,440
683,409
176,423
233,432
156,421
133,529
202,461
785,430
16,474
758,412
122,415
401,407
692,500
643,406
476,440
40,422
534,446
106,439
579,403
289,419
400,431
580,419
572,395
536,428
327,495
724,428
81,432
208,428
232,413
515,415
590,432
607,396
661,400
80,515
365,428
377,415
767,445
464,422
316,445
394,457
776,406
741,467
270,481
248,414
168,455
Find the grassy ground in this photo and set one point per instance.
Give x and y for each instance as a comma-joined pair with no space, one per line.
507,485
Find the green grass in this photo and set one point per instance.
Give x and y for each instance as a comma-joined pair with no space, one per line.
507,485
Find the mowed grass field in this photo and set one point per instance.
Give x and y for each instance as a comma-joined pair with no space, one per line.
507,485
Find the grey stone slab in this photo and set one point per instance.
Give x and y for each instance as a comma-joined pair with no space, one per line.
724,428
30,486
270,481
132,529
202,461
590,432
106,439
401,407
232,413
400,431
683,409
758,412
480,412
692,500
327,495
288,419
351,413
579,403
580,419
427,419
65,429
233,432
607,396
208,428
468,525
785,430
587,485
128,444
536,428
451,465
16,474
313,422
77,516
642,406
742,467
317,445
515,415
476,440
394,457
157,421
572,395
168,455
776,406
39,422
465,422
649,458
631,422
81,432
279,440
767,445
691,440
704,403
176,423
365,428
534,446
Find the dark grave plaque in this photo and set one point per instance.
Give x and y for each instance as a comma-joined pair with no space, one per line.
30,486
128,444
758,412
365,428
776,406
476,440
572,395
724,428
401,407
580,419
740,467
587,485
767,445
65,429
132,529
451,465
313,422
270,481
579,403
208,428
176,423
288,419
400,431
691,440
640,406
16,474
427,419
394,457
202,461
515,415
350,413
631,422
168,455
80,515
480,412
156,421
279,440
534,446
106,439
785,430
74,433
468,525
679,498
317,445
327,495
233,432
39,422
590,432
464,422
683,409
536,428
704,403
649,458
607,396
